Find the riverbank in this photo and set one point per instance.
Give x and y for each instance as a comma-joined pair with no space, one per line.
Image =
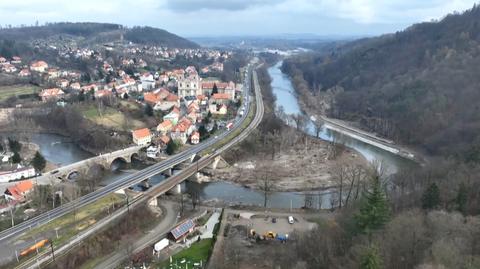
298,168
287,157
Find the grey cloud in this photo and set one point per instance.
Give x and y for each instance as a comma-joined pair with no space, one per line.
230,5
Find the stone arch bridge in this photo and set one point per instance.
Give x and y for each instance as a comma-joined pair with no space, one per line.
104,160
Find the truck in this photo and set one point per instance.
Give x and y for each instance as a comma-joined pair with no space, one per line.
34,247
161,244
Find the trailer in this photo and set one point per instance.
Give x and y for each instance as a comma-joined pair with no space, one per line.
160,245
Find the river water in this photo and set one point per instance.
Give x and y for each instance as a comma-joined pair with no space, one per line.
59,150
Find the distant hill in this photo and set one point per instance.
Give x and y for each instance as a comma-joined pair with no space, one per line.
420,86
98,32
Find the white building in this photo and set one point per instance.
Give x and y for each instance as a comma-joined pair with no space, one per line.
19,173
189,87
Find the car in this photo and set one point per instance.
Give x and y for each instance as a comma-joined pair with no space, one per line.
274,220
291,220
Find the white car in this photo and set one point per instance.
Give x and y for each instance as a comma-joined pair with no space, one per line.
291,220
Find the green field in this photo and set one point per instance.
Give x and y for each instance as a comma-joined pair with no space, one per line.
82,219
109,117
199,251
16,90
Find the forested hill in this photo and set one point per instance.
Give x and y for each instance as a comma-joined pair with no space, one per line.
97,32
420,86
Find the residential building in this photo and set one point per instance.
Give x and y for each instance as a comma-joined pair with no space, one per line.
53,93
182,230
195,138
173,116
142,137
218,109
19,191
18,173
221,98
16,60
39,66
24,73
165,127
147,81
182,130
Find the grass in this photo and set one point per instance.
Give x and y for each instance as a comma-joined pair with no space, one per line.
16,90
199,251
84,217
109,117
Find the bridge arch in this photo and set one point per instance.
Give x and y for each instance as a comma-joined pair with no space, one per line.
72,174
119,163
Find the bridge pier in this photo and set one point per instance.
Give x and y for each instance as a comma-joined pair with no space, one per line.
176,190
168,172
215,162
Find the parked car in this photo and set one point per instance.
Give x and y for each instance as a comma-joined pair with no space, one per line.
290,220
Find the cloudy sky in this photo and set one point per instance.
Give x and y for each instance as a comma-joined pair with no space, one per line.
238,17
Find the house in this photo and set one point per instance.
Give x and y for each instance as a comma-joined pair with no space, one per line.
103,93
147,81
19,191
19,173
182,130
153,152
53,93
88,88
16,60
182,230
24,73
170,101
53,73
142,137
9,68
62,83
221,98
151,98
39,66
218,109
195,138
165,127
173,116
75,86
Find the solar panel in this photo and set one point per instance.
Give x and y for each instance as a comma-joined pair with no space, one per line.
182,229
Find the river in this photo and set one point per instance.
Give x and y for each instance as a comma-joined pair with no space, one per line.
57,149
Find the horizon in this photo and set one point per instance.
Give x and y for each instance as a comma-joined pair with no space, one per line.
234,18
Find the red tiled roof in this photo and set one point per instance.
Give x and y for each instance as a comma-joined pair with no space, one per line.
221,96
141,133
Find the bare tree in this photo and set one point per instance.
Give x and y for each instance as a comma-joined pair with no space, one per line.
265,184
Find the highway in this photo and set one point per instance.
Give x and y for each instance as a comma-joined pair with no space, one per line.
134,178
162,187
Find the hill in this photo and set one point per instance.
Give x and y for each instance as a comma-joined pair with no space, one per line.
419,86
97,32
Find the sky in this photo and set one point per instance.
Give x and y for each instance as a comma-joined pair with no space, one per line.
195,18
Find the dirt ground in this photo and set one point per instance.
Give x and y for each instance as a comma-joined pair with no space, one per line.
235,250
299,168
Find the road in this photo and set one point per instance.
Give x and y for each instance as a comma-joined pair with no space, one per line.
154,169
158,232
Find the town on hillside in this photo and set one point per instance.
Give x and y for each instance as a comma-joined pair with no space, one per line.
158,97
